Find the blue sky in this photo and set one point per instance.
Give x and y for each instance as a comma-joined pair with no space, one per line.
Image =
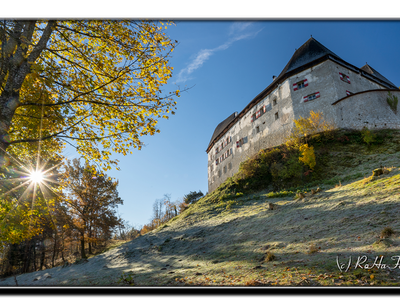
226,64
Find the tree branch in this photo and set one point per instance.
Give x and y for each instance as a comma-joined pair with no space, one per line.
41,45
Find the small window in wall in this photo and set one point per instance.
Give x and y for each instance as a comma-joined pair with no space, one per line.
348,93
257,129
224,169
311,97
274,102
300,85
230,166
240,142
258,114
344,77
276,116
217,162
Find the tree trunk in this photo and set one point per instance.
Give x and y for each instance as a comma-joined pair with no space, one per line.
90,243
42,254
27,257
16,64
54,250
34,255
11,259
83,254
6,114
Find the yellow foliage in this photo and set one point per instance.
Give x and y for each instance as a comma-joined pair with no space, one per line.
98,85
308,155
305,127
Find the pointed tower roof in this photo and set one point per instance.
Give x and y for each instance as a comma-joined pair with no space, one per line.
307,53
368,69
310,53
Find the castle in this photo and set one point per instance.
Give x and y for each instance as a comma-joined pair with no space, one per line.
314,79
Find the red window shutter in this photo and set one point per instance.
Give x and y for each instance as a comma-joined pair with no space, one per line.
341,76
305,82
305,98
317,95
237,144
294,86
348,93
348,79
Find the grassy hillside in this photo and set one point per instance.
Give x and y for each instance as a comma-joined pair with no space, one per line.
257,229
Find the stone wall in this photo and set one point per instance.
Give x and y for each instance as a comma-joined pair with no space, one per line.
266,131
369,109
324,78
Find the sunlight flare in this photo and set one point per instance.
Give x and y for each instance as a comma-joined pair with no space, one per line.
36,176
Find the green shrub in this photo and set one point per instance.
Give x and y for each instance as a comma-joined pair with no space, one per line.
280,194
392,100
230,203
368,136
126,279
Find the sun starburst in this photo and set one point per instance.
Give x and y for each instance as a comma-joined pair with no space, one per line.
36,176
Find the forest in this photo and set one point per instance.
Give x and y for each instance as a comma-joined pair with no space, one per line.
79,221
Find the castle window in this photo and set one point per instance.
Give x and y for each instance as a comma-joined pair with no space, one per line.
276,116
223,144
300,85
257,129
274,102
258,114
311,97
240,142
344,77
217,162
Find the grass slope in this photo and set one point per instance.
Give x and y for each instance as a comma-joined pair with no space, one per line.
233,237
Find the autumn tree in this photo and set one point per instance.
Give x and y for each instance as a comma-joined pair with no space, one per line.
304,128
95,84
91,201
